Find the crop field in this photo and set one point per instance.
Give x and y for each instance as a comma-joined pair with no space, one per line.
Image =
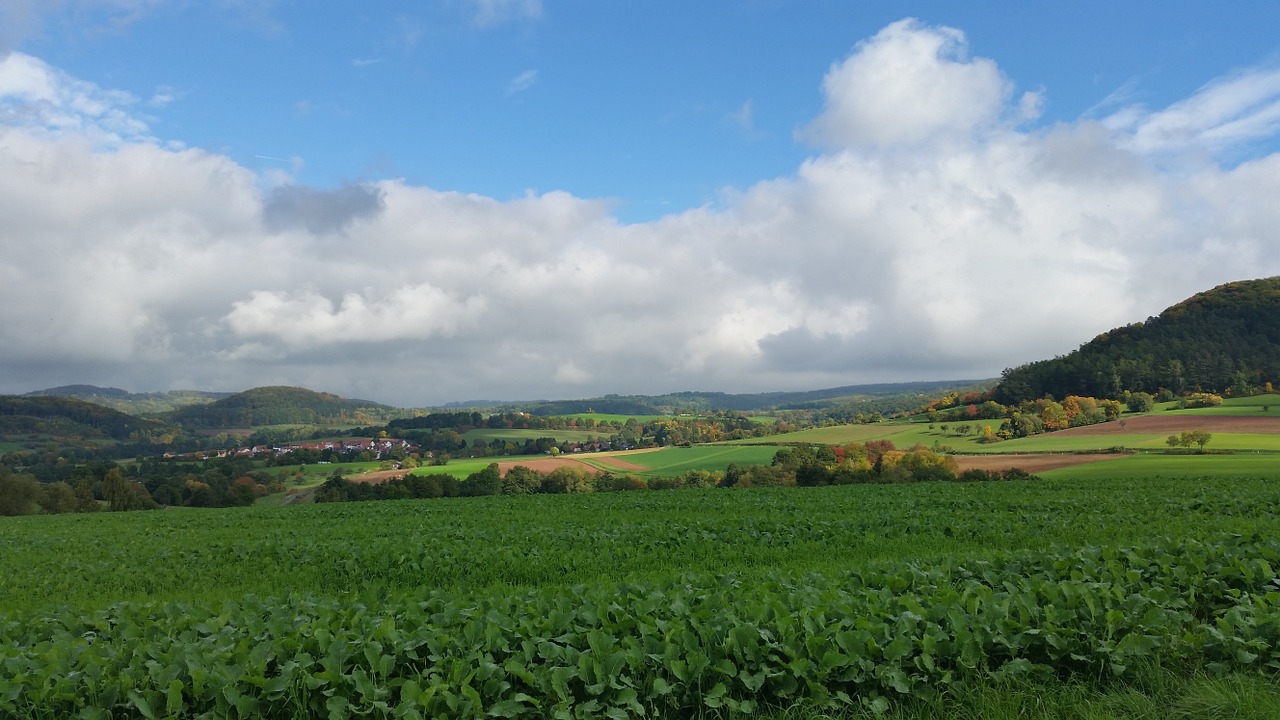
519,435
902,433
1263,465
679,460
607,417
680,604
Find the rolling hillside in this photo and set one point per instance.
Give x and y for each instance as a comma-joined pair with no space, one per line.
67,416
146,404
1224,339
281,406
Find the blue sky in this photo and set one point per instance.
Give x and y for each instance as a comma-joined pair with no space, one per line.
655,105
526,198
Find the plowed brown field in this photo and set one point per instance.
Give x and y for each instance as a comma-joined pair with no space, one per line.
546,465
1030,463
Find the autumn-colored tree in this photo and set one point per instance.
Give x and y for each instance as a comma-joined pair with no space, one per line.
1054,417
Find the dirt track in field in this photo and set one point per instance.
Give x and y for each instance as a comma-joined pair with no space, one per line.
1162,424
1030,463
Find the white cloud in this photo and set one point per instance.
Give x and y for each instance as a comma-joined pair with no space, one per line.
306,320
907,85
37,96
1220,117
494,12
922,245
522,82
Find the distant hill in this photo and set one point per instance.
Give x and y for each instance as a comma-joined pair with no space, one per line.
881,397
281,406
65,416
1227,338
145,404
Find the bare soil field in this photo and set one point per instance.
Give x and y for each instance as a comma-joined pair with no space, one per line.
378,476
1032,463
1163,424
620,464
546,465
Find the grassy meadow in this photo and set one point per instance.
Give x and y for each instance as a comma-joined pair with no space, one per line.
520,435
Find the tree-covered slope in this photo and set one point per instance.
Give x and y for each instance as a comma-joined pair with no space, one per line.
1224,339
280,406
881,397
67,416
152,403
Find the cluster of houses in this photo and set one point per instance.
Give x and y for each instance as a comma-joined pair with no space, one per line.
378,448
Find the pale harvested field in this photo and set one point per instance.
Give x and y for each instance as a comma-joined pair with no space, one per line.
378,476
546,465
1165,424
1030,463
618,463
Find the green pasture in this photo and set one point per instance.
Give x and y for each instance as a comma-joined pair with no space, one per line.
1147,466
673,461
520,435
462,467
1251,406
902,434
612,418
316,473
1057,442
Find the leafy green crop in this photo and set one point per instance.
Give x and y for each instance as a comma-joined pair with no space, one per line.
633,604
695,642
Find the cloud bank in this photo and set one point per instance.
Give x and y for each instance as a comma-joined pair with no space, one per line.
936,233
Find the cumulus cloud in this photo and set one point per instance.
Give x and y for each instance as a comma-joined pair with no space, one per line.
319,211
37,96
935,236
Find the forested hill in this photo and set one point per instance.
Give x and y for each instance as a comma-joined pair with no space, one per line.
148,404
1224,340
67,416
881,397
281,406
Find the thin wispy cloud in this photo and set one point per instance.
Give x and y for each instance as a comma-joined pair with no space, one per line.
495,12
1221,116
744,119
522,82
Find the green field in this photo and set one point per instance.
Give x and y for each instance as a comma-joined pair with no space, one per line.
679,604
612,418
1153,465
520,435
1252,405
903,434
672,461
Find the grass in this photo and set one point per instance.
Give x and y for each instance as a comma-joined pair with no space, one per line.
679,460
1160,465
609,417
520,435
